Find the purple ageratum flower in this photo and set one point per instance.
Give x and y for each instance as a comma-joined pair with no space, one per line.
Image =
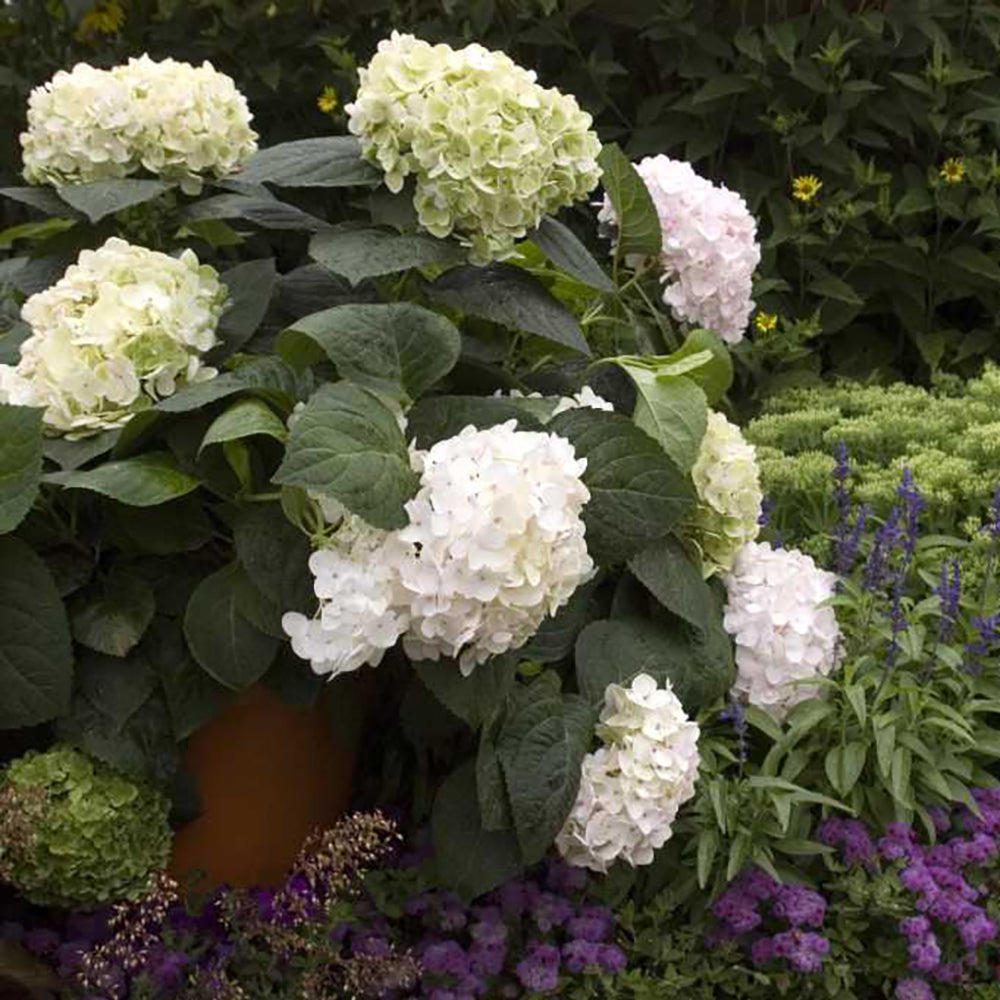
915,928
763,951
738,910
913,989
801,907
976,930
452,915
803,950
917,878
756,883
611,959
565,879
446,958
515,897
489,932
593,923
550,910
487,958
580,955
851,835
925,953
539,969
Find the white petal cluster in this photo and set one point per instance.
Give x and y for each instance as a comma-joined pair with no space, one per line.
495,542
782,634
490,150
177,121
362,609
586,398
123,328
498,542
710,247
727,481
632,787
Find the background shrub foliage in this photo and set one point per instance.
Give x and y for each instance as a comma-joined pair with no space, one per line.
891,267
128,548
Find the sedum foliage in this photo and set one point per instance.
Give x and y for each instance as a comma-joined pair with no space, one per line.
82,814
949,437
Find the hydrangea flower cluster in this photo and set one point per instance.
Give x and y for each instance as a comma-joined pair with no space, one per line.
362,605
495,542
710,247
586,398
632,787
177,121
490,150
123,328
783,636
783,930
727,480
950,906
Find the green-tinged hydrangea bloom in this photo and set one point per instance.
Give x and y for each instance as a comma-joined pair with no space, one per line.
490,150
94,835
949,438
728,484
123,328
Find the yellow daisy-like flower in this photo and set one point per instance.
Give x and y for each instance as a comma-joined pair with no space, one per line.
328,102
953,170
106,17
766,322
805,187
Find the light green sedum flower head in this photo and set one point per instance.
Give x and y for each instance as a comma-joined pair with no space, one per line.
123,328
490,150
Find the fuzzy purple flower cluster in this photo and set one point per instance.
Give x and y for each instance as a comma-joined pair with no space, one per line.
524,939
777,923
950,922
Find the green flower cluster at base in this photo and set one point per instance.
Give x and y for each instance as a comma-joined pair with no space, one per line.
75,832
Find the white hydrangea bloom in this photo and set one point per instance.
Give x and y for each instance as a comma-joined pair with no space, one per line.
490,150
179,122
586,398
632,787
123,328
498,542
782,634
710,247
727,480
362,609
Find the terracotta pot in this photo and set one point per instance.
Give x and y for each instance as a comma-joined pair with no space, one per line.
268,774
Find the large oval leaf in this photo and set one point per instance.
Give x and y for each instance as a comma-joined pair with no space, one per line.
637,494
470,859
36,653
399,350
613,652
329,161
511,297
638,223
143,481
347,444
369,253
20,462
223,642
